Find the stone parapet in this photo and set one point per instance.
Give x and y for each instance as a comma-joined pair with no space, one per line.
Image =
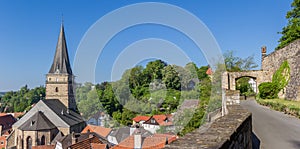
231,131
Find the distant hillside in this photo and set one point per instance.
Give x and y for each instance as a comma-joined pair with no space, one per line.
2,93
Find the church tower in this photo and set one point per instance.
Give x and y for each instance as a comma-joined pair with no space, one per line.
60,79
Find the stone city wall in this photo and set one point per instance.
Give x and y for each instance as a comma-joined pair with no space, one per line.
271,62
228,132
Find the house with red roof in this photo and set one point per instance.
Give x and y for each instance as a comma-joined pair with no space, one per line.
102,131
140,119
155,122
155,141
6,122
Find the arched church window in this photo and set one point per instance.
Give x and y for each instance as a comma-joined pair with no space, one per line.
43,140
29,142
56,89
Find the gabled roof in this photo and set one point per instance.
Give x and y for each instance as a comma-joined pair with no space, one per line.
98,114
121,133
7,120
162,120
56,111
61,63
68,116
66,141
140,118
85,144
38,121
150,142
189,103
102,131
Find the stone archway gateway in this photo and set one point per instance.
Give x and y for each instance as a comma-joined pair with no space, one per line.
229,78
269,64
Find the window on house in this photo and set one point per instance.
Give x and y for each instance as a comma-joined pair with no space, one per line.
152,120
2,142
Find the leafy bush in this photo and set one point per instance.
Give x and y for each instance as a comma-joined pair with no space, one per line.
268,90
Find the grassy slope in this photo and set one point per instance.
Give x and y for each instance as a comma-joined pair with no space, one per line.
286,106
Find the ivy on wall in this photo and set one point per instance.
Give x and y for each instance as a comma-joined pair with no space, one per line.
270,90
282,76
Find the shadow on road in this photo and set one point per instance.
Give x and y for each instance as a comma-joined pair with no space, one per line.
296,143
256,141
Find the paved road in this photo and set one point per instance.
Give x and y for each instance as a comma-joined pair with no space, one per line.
274,130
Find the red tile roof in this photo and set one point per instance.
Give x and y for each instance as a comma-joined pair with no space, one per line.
3,139
140,118
170,137
98,146
18,114
44,147
3,114
102,131
85,144
209,71
162,120
156,141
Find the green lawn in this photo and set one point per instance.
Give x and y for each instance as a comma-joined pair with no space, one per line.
286,106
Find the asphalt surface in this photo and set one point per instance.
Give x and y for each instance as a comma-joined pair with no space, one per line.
272,129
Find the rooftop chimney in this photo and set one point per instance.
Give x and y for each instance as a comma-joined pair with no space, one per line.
74,139
137,140
263,52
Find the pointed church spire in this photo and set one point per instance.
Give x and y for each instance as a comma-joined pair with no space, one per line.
61,63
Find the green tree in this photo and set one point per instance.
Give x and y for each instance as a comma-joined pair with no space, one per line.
291,32
192,69
235,64
202,72
153,70
22,99
171,78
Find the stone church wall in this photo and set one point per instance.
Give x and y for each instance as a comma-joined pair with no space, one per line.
272,62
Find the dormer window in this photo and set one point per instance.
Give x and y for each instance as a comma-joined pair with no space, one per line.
152,120
32,123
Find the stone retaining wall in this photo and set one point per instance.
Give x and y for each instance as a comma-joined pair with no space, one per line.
232,97
228,132
272,62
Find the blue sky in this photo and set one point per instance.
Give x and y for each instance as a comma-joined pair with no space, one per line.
29,32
